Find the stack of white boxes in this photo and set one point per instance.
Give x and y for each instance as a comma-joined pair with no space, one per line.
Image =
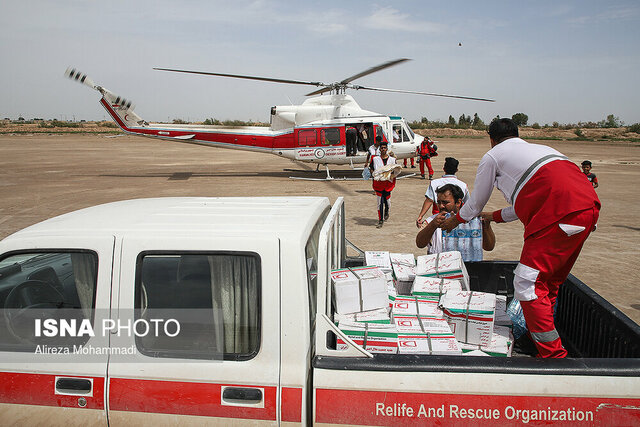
404,268
470,315
394,307
447,265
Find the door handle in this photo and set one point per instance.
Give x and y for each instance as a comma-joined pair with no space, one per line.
74,386
242,395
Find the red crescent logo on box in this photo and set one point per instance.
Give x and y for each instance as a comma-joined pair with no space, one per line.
407,343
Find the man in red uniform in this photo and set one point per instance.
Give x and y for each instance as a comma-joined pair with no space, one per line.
425,151
383,187
559,209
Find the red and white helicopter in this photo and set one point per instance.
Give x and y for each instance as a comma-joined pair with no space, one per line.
314,132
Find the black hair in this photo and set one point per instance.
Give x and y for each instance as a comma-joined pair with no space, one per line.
455,191
450,165
378,138
586,163
501,129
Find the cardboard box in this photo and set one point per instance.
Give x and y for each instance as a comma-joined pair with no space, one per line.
391,293
437,339
376,338
380,315
346,291
502,318
447,265
416,306
470,315
404,267
373,288
415,324
378,259
434,287
501,343
359,289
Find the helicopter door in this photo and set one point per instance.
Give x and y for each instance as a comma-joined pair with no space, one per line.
380,132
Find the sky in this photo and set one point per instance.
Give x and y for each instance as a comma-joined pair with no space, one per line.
555,61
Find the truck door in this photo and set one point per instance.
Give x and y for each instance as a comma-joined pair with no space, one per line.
216,352
55,295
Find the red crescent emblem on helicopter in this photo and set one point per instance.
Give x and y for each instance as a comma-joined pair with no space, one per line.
125,117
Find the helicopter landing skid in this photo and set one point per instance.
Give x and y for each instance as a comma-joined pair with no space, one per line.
328,177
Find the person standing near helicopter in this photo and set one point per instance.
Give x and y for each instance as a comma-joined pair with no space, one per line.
383,185
425,151
374,150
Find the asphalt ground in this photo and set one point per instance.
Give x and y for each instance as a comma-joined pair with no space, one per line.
46,175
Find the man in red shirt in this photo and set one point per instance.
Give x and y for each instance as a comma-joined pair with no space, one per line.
558,208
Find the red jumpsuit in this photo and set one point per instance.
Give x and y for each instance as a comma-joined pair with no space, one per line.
424,154
558,208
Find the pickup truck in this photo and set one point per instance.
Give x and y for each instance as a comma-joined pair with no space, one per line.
218,311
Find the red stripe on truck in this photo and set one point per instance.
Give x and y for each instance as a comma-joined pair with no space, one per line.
184,398
291,404
397,408
40,389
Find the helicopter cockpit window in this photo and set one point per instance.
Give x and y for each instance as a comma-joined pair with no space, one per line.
400,133
410,132
330,136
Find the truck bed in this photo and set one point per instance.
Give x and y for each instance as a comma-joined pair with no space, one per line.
600,339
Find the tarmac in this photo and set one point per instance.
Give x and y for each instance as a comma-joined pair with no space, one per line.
47,175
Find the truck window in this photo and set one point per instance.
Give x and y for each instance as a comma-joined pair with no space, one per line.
311,255
330,136
54,286
215,298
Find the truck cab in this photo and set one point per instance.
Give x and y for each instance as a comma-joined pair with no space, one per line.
219,310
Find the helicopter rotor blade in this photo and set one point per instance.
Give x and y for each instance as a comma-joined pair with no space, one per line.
374,69
239,76
379,89
371,70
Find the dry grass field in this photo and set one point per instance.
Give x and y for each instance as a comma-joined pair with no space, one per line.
45,175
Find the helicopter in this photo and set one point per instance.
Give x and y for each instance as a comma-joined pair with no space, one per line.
321,130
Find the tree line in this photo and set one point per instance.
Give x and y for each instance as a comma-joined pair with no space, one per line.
521,119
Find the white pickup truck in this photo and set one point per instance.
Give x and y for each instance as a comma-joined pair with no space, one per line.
218,311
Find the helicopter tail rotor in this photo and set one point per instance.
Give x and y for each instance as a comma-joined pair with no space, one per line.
114,99
80,77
